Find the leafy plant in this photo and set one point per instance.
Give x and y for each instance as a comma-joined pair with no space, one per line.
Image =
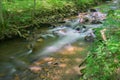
104,57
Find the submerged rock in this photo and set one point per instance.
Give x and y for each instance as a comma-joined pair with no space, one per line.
90,36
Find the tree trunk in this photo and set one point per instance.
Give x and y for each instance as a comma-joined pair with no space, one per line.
1,15
33,14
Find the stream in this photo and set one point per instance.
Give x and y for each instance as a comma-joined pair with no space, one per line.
56,44
51,53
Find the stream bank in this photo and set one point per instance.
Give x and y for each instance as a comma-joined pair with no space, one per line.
17,19
104,58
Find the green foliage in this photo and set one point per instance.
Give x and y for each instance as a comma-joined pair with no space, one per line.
113,19
104,57
84,3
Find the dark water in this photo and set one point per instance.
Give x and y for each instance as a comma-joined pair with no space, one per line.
10,51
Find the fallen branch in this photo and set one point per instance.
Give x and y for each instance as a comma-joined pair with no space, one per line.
103,34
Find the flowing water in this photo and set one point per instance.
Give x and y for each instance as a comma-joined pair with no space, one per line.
16,57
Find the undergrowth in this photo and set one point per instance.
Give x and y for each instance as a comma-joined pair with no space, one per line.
104,57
